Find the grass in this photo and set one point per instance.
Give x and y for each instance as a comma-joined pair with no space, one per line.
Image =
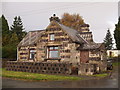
101,75
35,76
116,64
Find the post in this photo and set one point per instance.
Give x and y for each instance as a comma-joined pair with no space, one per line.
17,53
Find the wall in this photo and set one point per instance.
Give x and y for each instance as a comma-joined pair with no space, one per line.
39,67
114,53
101,65
87,69
67,49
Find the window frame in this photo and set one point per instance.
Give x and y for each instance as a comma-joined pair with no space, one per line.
53,48
30,54
50,37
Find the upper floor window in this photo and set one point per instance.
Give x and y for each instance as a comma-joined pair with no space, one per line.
52,37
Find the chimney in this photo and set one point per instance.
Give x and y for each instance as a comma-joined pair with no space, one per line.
54,18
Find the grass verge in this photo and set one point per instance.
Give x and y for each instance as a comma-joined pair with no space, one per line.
116,63
101,75
36,76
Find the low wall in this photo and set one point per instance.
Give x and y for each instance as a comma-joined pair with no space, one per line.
87,69
39,67
101,65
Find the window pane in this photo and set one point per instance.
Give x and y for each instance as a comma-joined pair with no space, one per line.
55,47
32,55
52,37
51,48
53,54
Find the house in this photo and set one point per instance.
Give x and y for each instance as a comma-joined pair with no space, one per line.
59,43
113,53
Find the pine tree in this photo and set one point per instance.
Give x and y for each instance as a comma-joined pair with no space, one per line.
5,30
17,28
108,40
74,21
14,39
117,34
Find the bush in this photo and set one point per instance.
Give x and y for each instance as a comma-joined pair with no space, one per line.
9,52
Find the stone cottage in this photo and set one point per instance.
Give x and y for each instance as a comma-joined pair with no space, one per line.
59,43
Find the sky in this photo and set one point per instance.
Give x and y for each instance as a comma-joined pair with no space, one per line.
35,15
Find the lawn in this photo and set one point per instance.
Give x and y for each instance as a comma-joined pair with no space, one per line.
116,63
36,76
101,75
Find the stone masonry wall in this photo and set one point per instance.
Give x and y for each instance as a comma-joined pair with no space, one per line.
39,67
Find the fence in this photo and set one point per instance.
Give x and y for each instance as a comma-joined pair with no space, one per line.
39,67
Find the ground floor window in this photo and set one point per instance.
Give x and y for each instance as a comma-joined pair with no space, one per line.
32,54
53,52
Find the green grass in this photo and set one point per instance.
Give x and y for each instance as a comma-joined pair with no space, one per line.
35,76
116,63
101,75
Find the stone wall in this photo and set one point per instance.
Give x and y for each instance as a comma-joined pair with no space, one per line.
87,69
101,65
39,67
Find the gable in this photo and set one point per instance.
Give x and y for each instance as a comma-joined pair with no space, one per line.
65,33
54,28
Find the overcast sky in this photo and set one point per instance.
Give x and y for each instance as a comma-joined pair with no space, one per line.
35,15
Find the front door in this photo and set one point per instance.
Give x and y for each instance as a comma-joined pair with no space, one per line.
84,56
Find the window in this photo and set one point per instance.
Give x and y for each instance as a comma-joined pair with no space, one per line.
53,52
52,37
32,54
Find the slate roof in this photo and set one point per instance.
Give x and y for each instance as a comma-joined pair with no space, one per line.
90,46
31,38
74,34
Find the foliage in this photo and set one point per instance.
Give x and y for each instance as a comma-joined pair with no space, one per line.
74,21
117,34
35,76
11,38
5,30
9,52
14,39
17,28
108,40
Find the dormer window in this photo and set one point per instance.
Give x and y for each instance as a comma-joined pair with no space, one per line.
52,37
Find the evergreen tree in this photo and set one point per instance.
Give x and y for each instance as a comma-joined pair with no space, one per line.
117,34
5,30
108,40
74,21
14,39
4,27
17,28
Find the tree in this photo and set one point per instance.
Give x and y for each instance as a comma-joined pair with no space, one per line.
5,30
17,28
14,39
117,34
108,40
74,21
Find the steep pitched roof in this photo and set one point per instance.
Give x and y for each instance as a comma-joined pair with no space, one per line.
74,34
31,38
